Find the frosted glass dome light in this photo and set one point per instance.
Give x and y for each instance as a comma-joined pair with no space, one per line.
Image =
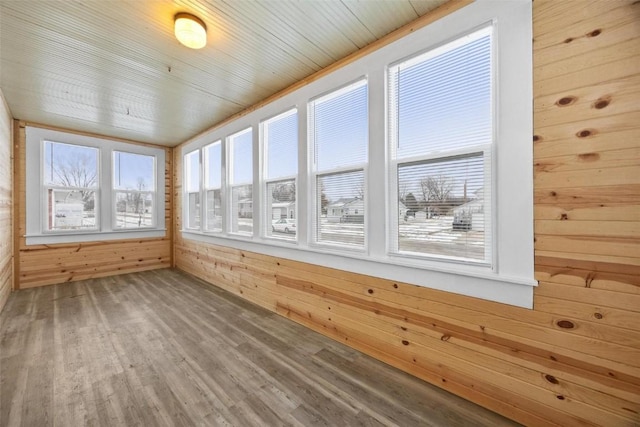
190,31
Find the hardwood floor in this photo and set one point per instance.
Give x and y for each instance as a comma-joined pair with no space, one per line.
163,348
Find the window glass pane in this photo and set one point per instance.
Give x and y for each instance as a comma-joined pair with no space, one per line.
242,157
192,171
134,209
71,210
213,165
68,165
281,209
442,99
281,145
214,210
340,129
341,208
442,207
193,209
242,210
133,171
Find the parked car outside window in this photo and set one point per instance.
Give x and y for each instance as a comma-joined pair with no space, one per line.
284,225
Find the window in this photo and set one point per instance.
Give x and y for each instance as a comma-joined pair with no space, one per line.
82,188
192,185
338,133
70,181
213,186
420,172
280,142
135,189
241,181
441,133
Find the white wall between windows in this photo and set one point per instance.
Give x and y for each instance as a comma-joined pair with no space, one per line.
37,233
509,279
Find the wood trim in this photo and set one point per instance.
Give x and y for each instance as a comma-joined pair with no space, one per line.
17,201
93,135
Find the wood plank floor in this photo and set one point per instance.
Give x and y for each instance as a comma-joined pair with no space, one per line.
163,348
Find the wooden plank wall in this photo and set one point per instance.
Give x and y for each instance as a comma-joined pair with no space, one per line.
574,360
39,265
6,205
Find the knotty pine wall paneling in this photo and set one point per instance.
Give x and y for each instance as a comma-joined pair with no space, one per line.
574,360
6,205
39,265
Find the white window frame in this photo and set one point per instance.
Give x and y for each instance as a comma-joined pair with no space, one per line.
510,277
206,189
188,193
395,163
266,181
36,229
231,184
314,173
115,191
46,188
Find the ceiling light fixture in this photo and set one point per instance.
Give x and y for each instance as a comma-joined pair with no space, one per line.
190,30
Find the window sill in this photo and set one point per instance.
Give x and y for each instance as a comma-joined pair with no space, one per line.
487,285
94,236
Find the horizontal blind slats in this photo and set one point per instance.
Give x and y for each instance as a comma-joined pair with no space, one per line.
281,145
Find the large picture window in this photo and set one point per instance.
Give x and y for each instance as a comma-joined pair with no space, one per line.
338,133
280,142
83,188
441,133
241,181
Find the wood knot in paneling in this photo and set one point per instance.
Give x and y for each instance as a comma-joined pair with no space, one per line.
569,40
564,217
551,379
405,342
602,102
594,33
588,157
598,315
445,337
585,133
566,100
565,324
537,138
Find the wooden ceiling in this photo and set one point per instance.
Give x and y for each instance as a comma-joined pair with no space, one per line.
114,67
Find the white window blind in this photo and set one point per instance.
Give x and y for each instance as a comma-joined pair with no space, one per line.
338,131
135,190
441,134
192,188
280,142
241,179
213,186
